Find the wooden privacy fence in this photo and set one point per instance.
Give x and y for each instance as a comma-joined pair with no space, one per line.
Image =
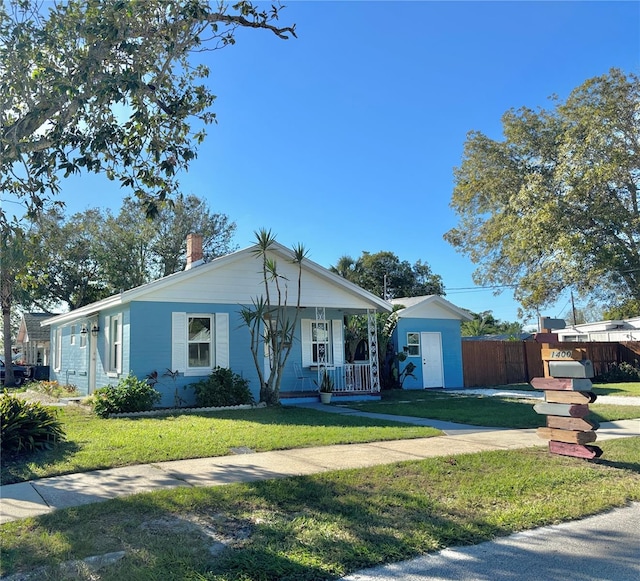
487,363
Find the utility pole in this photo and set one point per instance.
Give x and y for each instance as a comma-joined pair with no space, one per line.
573,308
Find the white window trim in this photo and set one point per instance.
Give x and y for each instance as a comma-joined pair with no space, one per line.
190,371
409,345
72,334
113,368
335,355
180,343
57,354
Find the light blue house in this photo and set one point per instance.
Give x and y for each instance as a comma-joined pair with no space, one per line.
428,330
190,322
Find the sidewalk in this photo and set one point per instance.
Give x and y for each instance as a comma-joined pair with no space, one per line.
47,494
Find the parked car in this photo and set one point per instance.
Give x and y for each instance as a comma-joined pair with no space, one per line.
20,373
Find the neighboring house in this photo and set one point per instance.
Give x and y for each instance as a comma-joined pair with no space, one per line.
190,322
428,330
622,330
33,339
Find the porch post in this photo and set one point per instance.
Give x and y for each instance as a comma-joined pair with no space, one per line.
372,338
321,317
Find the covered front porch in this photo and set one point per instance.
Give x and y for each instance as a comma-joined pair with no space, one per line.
328,358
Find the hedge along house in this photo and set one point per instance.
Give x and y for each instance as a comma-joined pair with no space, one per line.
428,331
191,322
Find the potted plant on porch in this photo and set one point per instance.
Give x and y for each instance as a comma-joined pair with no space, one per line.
326,387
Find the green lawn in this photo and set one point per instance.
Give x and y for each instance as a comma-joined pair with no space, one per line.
94,443
479,410
327,525
628,389
625,389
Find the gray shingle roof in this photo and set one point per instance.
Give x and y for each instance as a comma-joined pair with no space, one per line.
34,331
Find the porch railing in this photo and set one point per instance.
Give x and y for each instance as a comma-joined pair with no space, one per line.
350,377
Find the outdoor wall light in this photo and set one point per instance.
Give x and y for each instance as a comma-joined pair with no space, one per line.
94,330
83,331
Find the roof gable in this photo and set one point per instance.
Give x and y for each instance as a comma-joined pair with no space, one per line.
31,329
236,278
430,307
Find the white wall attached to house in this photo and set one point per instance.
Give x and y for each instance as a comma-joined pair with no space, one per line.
604,331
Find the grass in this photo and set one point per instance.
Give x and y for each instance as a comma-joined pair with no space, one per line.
328,525
479,410
94,443
626,389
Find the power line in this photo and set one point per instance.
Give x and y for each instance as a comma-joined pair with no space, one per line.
479,288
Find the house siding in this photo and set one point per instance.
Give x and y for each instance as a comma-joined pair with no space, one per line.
221,286
103,376
75,360
449,330
73,370
150,345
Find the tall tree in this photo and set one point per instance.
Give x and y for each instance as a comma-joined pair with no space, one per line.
190,214
625,310
485,323
386,276
93,254
15,252
124,249
67,263
345,267
555,204
272,320
109,86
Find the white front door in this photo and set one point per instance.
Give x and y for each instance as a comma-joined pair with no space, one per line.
432,365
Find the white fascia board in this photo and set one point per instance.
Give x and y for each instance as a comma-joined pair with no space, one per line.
417,303
139,293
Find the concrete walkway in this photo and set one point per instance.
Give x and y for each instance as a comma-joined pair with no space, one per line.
47,494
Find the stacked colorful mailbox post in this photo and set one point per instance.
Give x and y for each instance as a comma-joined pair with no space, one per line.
567,394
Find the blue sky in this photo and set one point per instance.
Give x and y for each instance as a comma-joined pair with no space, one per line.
345,139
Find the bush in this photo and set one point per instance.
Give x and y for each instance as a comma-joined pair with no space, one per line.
27,426
130,395
53,388
222,388
621,372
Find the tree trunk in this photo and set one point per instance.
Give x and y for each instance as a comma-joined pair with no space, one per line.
9,378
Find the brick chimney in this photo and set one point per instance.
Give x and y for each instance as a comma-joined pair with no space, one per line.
194,251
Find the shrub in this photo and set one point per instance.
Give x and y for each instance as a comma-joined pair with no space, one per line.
621,372
27,426
130,395
222,388
53,388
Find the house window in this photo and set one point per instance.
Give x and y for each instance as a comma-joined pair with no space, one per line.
83,336
72,340
322,337
413,344
321,351
113,338
199,341
57,354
